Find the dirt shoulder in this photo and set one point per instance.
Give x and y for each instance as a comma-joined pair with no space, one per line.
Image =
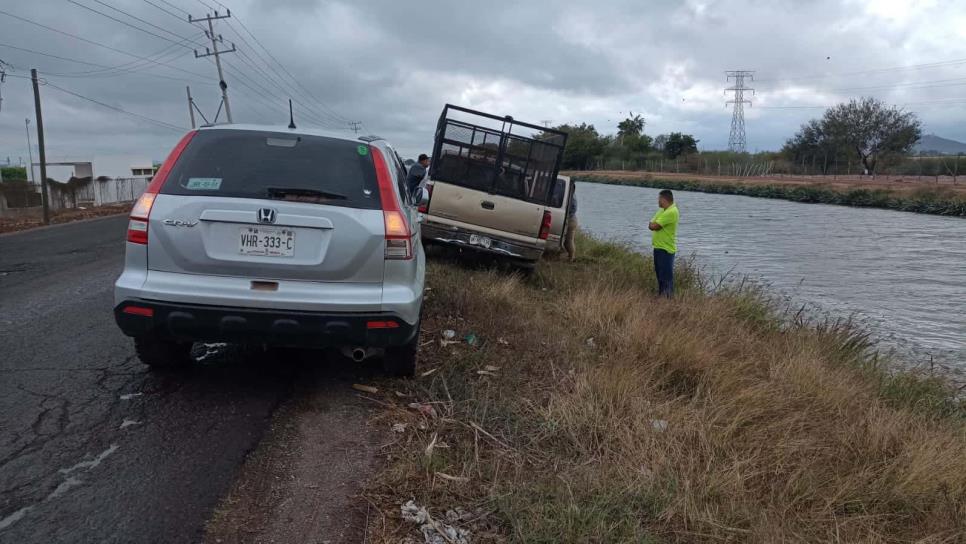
15,224
304,482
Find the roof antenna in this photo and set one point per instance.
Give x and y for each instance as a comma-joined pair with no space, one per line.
291,117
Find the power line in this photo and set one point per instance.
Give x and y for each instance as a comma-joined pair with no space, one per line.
119,110
108,47
125,23
104,72
937,64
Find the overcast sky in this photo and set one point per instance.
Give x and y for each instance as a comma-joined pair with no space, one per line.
393,64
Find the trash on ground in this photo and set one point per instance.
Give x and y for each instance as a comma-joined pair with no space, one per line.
449,334
401,395
424,409
398,427
428,372
485,373
431,446
502,341
434,531
128,422
491,368
451,478
129,396
591,343
659,425
365,388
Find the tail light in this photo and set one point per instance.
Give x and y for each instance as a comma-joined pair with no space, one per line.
424,208
399,243
545,225
137,227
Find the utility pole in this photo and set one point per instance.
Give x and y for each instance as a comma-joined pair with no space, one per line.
30,151
40,145
546,122
736,141
191,106
214,52
356,126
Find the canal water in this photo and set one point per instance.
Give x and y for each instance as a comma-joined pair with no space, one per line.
901,275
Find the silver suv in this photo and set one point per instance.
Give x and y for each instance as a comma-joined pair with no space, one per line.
270,236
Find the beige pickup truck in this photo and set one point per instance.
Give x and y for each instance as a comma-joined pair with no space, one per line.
490,184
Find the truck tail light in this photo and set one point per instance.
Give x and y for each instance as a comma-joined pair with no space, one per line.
424,208
545,225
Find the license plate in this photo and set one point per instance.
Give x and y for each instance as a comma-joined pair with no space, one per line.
482,241
266,241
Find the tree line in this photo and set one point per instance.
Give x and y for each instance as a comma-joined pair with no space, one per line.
858,137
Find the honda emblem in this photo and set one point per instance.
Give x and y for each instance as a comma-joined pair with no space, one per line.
266,215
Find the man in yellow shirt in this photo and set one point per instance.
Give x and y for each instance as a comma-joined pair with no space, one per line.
664,230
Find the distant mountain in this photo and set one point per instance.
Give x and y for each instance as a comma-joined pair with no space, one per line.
932,144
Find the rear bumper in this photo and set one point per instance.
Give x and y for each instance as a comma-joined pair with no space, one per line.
458,236
200,323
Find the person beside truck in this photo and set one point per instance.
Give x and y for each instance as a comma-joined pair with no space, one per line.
571,227
417,172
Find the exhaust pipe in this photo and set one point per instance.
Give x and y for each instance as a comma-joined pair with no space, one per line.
359,353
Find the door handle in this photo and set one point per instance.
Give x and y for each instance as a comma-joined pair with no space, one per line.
487,205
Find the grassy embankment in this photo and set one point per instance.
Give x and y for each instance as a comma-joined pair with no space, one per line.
705,418
916,198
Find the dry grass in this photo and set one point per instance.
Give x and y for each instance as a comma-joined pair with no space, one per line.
774,432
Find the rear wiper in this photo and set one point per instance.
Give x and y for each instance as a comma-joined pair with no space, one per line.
311,195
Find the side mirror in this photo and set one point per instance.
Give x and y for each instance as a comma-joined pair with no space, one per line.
421,196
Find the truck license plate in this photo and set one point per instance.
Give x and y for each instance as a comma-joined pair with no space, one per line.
266,241
482,241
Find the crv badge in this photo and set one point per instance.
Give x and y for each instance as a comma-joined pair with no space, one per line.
180,223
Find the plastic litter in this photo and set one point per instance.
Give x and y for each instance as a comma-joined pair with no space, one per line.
502,341
591,343
449,334
659,425
365,388
424,409
434,531
472,339
491,368
398,427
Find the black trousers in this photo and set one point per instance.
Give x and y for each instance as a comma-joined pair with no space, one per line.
664,268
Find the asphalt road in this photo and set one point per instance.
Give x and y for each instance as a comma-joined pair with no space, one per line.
93,447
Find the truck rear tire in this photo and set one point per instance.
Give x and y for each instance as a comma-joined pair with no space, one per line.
400,361
161,354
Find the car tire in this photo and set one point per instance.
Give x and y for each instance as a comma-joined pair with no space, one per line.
400,361
161,354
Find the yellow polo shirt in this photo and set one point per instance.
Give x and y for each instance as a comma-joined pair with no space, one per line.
666,238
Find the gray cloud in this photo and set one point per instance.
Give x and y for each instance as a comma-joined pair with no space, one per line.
394,64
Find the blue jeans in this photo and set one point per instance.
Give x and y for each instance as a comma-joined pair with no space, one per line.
664,268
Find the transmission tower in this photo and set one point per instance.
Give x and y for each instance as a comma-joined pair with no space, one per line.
736,141
355,126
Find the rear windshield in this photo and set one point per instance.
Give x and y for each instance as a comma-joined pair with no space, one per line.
256,164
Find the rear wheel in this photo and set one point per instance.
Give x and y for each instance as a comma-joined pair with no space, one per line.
401,360
162,354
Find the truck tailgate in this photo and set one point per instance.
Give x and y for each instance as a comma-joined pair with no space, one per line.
518,219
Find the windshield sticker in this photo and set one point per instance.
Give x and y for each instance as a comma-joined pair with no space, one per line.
363,150
203,184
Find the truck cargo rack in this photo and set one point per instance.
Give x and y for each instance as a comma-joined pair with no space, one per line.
481,151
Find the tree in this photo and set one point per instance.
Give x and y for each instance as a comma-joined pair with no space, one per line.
584,145
660,141
677,144
866,127
632,126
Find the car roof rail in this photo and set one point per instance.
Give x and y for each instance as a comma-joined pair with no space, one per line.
370,138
